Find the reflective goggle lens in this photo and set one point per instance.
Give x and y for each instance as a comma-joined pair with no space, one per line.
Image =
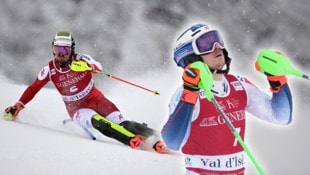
205,42
62,50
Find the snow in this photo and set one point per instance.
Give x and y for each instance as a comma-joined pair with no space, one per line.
38,143
37,150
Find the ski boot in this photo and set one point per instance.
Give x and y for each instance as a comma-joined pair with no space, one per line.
115,131
149,136
160,147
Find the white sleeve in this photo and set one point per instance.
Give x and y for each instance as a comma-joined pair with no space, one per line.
95,64
274,109
175,98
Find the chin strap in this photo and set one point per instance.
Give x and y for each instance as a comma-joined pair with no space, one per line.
220,71
225,71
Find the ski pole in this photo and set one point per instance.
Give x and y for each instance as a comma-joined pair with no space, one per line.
122,80
80,66
206,84
274,63
90,135
237,136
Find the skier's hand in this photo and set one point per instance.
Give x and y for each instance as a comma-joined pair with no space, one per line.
191,79
82,66
94,68
275,82
12,111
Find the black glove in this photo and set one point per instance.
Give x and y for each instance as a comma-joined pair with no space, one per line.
276,82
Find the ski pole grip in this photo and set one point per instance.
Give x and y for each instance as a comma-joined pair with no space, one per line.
271,62
206,78
80,66
274,63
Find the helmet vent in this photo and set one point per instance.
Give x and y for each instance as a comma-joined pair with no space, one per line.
195,33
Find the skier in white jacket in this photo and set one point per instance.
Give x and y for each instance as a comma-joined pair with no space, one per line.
196,127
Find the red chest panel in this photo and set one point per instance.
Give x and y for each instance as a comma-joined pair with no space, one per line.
209,133
68,82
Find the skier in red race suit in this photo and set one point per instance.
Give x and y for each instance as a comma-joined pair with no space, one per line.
196,127
86,105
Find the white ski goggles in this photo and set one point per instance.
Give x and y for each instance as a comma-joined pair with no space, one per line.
205,43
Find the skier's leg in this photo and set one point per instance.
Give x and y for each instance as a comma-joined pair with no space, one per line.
150,135
89,118
108,109
115,131
138,128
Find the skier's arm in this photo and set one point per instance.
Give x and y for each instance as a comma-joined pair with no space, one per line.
95,65
276,109
176,129
29,93
182,105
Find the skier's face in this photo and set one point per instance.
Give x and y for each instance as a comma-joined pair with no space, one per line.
62,53
215,60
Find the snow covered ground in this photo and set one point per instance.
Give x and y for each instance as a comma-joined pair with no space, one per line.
40,144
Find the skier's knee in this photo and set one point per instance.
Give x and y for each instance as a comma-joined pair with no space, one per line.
83,116
106,129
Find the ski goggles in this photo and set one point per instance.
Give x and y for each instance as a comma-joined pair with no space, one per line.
205,43
62,50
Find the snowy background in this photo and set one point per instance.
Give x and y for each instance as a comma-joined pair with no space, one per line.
133,40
